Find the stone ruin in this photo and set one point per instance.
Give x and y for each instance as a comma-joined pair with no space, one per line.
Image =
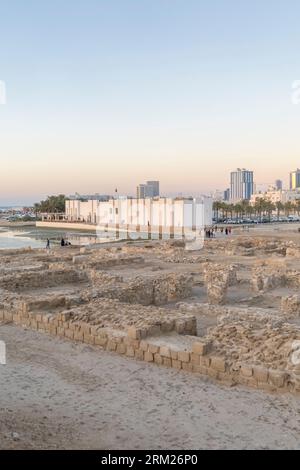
217,279
290,305
157,290
123,299
264,279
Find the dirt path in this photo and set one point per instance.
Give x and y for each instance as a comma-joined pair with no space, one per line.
57,394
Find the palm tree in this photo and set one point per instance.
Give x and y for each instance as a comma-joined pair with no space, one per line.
225,210
259,206
269,207
217,206
238,208
231,209
279,207
297,206
245,205
288,206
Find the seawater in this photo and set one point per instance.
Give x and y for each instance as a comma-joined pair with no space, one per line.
24,237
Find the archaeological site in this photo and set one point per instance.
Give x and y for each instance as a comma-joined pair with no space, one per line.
230,312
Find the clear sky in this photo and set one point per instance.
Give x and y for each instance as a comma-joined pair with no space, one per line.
109,93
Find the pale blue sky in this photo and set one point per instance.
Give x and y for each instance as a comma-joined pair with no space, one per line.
106,93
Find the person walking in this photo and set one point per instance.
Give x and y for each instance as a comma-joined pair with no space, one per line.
48,244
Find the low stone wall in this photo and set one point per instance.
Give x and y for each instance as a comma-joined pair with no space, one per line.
100,278
36,279
218,278
106,260
149,291
199,357
266,278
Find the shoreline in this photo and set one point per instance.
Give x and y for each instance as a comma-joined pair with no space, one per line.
7,224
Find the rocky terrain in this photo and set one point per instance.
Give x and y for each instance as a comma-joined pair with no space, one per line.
230,311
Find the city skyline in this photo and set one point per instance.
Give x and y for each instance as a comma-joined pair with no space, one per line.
106,94
257,188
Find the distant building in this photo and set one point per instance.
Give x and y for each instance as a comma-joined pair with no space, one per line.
226,196
89,197
142,191
167,212
295,179
241,185
218,195
278,184
276,195
150,189
155,187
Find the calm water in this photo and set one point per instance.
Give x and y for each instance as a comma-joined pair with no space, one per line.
24,237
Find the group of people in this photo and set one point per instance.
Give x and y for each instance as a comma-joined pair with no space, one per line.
211,233
63,242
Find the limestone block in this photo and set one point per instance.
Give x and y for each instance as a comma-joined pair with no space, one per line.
69,333
89,339
139,354
121,347
158,359
277,378
202,347
195,358
148,356
130,352
246,370
205,361
184,356
167,361
153,348
187,366
78,335
144,345
133,333
165,351
218,364
260,373
174,354
176,364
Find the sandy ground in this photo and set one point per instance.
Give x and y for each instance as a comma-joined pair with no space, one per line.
57,394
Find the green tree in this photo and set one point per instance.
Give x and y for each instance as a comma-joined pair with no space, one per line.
297,206
259,207
269,208
53,204
279,208
288,207
217,206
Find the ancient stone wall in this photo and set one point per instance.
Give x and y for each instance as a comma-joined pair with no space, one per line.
150,291
218,278
35,279
290,305
200,357
265,278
